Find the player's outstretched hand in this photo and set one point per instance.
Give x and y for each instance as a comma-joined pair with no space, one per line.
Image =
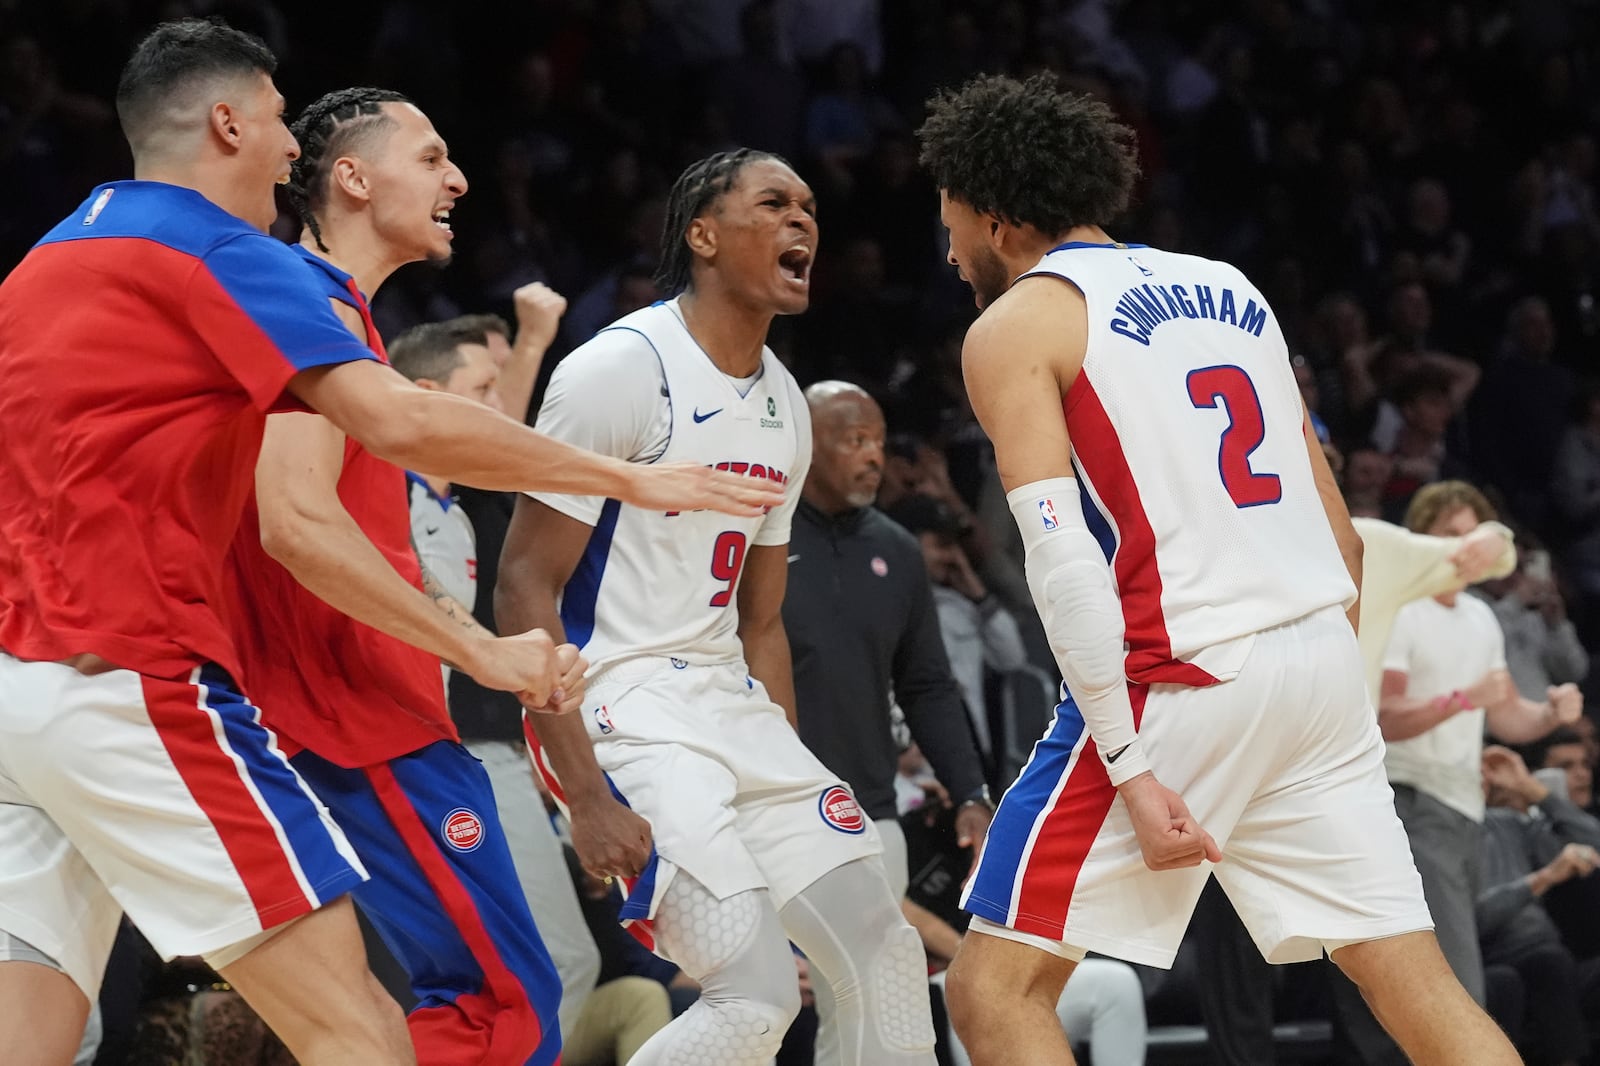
610,839
1169,836
691,487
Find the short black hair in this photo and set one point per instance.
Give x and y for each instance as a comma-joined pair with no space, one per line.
180,56
1030,153
432,350
336,124
697,189
1536,752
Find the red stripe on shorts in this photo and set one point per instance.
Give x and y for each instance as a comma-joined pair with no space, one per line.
536,751
499,983
191,734
1051,868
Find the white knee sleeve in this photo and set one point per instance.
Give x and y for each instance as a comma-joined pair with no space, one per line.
852,930
750,992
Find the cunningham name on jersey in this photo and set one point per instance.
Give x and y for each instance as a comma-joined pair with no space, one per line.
1143,308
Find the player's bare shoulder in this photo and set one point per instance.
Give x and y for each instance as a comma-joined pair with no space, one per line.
1039,326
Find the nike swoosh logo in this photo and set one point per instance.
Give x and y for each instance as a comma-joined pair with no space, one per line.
794,558
698,417
432,530
1113,756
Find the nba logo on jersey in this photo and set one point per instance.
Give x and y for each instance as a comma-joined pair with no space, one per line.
98,206
602,718
1047,514
841,811
463,829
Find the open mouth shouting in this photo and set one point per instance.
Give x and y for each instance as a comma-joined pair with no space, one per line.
795,265
441,218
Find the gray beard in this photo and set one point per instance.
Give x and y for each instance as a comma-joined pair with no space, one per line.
860,499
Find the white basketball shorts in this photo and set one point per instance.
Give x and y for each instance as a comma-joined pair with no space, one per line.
1283,765
730,792
164,798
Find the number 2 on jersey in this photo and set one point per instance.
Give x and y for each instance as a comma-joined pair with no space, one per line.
727,559
1246,430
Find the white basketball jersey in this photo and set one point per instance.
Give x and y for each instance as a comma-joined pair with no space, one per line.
651,582
1187,443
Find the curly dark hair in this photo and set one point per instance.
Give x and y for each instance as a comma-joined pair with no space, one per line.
696,191
336,124
1030,153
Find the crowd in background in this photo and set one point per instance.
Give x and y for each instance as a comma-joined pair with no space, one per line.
1412,185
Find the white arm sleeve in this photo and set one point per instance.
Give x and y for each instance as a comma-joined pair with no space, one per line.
608,396
1082,616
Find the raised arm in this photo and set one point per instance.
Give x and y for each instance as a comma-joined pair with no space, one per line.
539,311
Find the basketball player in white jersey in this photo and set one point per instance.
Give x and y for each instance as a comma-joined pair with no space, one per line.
1184,540
686,731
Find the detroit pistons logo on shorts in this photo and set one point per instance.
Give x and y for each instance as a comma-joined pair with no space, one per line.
462,829
841,811
1047,514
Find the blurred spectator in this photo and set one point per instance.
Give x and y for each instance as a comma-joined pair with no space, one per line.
1418,450
1575,492
1534,840
844,120
1542,646
1518,414
759,89
1565,750
1306,379
634,60
1444,683
1566,762
855,335
1367,472
979,633
1443,254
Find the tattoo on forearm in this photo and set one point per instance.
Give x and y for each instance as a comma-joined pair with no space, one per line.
451,606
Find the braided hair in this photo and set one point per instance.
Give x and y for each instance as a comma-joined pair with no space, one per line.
697,189
335,125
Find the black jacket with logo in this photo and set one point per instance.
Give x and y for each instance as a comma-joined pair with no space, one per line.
861,623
